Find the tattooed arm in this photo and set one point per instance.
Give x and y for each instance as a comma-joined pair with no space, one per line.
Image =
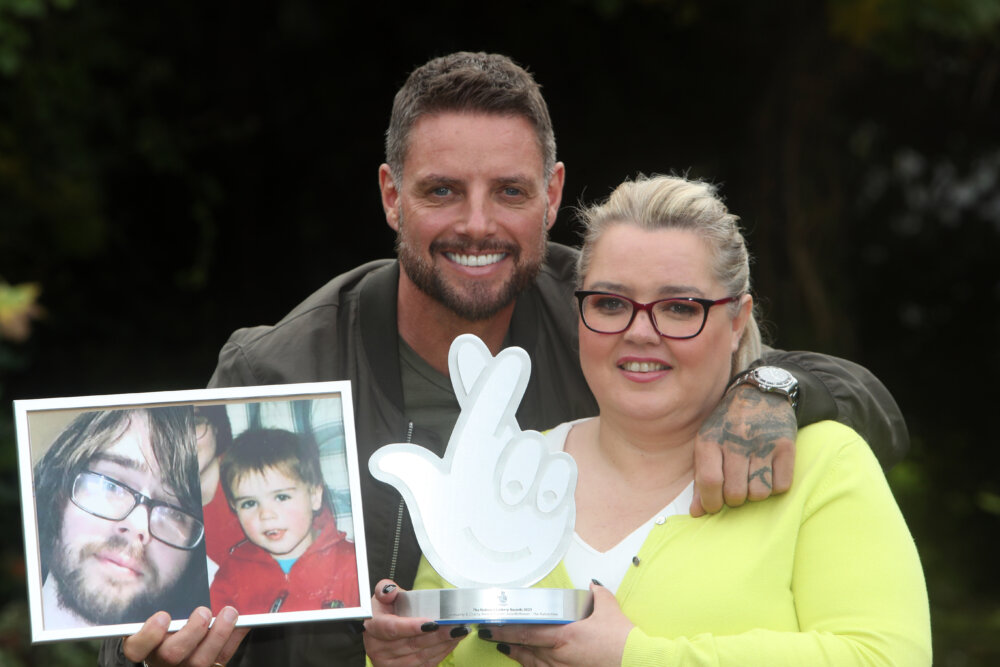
745,449
838,389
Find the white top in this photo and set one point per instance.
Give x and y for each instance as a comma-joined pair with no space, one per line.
584,563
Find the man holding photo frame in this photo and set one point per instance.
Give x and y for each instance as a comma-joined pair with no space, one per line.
119,518
471,186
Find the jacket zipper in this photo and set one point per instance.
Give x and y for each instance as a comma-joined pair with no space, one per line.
399,519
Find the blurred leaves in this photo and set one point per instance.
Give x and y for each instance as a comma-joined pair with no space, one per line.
896,29
18,307
16,16
16,649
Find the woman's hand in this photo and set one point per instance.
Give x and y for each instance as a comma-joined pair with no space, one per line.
396,641
598,640
200,643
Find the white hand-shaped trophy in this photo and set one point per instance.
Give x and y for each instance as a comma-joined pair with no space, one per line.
497,512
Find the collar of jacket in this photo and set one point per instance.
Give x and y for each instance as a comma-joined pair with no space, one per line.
377,311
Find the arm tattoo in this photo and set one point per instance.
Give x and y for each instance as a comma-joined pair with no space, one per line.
759,429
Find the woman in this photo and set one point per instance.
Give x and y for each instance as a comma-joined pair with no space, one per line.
826,574
214,435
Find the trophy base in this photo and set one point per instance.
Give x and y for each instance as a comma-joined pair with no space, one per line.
497,605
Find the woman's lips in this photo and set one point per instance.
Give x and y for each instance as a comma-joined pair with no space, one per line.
643,366
644,369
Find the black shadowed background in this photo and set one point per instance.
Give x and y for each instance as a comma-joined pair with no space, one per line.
172,171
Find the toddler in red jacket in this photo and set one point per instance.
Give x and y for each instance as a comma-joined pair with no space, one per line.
293,557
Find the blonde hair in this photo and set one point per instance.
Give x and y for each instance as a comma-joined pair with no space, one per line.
672,202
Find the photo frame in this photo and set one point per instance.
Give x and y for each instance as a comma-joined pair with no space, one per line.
258,507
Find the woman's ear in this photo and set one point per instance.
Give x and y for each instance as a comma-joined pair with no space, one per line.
741,319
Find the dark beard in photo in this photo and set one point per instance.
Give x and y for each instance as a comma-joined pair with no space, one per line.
102,606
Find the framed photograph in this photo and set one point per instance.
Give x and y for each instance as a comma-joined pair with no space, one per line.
247,497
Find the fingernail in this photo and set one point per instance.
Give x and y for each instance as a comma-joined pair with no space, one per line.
388,588
503,648
228,615
459,631
597,582
485,633
429,626
204,615
161,619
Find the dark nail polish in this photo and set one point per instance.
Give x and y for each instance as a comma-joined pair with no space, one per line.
429,626
597,582
459,631
388,588
503,648
485,633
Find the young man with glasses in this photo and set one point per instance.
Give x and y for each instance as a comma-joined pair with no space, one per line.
119,519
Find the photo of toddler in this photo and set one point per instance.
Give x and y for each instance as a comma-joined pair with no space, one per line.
293,557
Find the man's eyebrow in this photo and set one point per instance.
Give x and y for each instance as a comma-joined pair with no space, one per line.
514,178
436,179
123,461
441,179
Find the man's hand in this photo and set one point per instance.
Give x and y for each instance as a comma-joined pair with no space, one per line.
200,643
745,449
395,641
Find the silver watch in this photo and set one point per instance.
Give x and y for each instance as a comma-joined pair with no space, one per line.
771,379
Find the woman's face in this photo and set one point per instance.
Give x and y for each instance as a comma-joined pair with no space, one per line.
638,374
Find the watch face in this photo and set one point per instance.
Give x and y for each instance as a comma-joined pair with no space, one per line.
772,375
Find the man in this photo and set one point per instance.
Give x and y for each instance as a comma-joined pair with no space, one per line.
471,186
119,519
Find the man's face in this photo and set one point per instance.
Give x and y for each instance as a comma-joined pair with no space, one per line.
107,571
473,210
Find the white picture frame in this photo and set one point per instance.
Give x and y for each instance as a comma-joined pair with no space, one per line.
320,413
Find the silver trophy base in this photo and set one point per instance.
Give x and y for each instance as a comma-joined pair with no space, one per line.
497,605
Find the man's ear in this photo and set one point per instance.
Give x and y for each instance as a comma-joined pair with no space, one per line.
390,196
553,192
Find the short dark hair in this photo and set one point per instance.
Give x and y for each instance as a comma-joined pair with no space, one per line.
171,431
468,82
256,450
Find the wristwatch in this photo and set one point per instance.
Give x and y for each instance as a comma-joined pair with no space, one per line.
771,379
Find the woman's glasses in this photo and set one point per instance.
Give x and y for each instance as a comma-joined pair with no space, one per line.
678,317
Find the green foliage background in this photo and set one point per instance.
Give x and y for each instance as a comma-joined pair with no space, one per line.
171,171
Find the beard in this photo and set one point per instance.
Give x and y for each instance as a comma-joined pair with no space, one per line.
104,602
470,300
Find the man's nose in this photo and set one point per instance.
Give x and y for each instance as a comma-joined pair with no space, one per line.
136,523
478,216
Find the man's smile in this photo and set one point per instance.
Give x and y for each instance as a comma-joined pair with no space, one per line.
476,260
